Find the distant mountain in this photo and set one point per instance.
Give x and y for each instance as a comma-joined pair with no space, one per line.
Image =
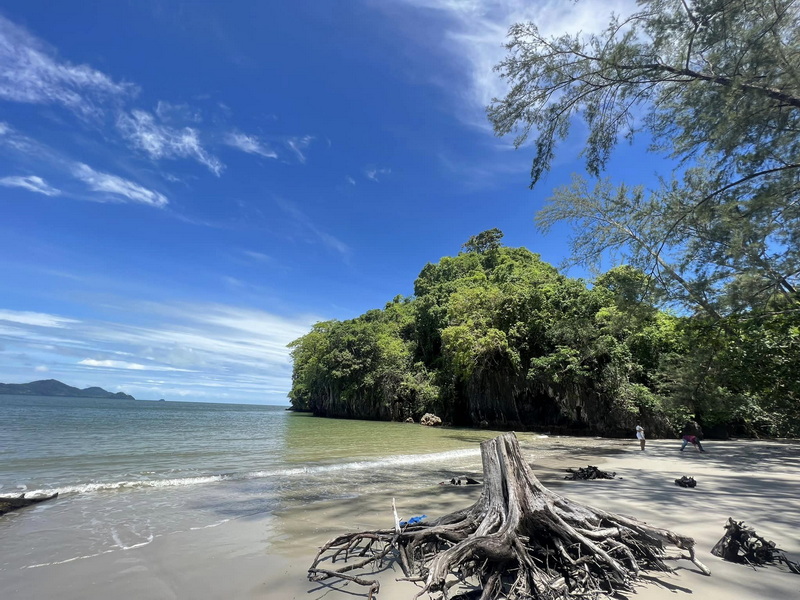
51,387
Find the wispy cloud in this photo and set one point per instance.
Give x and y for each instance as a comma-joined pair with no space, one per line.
36,319
101,183
298,146
206,351
476,31
250,144
180,113
31,183
22,144
30,72
131,366
374,174
257,256
309,227
119,188
114,364
162,141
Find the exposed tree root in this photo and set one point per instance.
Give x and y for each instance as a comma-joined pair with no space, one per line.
518,541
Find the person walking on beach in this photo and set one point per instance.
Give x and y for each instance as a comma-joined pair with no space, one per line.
640,436
694,441
691,434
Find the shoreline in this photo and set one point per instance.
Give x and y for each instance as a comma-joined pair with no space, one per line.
744,480
265,556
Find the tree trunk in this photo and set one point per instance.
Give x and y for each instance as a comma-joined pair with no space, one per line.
518,541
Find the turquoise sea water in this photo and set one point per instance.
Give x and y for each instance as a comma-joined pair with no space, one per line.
130,471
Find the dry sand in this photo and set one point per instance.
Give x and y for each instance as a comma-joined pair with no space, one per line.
267,558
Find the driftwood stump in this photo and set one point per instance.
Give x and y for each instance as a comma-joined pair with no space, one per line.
741,544
590,472
518,541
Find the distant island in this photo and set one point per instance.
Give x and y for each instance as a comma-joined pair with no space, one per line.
52,387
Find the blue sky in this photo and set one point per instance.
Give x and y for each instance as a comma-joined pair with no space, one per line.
185,187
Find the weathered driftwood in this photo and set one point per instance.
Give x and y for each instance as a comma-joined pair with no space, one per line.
9,503
519,540
589,472
461,480
741,544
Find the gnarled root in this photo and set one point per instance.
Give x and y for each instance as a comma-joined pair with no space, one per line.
518,541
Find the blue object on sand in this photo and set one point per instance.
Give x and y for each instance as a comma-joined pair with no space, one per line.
413,520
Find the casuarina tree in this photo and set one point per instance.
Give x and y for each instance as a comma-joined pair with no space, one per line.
715,84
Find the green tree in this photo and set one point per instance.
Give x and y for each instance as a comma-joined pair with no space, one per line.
485,241
716,84
362,368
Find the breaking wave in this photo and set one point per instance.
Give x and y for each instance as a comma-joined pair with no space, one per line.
290,472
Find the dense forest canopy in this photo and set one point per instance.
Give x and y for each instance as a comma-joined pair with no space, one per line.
495,337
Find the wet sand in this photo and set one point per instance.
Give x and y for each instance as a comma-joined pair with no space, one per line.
267,557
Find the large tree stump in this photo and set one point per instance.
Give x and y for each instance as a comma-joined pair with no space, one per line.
518,541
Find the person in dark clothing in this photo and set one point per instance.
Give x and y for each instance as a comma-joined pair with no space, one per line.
694,441
692,427
692,434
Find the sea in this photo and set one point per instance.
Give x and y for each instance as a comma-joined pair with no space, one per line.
130,471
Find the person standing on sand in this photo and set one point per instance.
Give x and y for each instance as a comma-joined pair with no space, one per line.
640,436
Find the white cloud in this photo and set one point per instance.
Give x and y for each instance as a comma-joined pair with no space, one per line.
477,30
31,183
249,144
35,319
30,73
41,369
121,364
350,180
376,174
210,351
117,186
114,364
161,141
258,256
27,146
298,145
105,183
168,112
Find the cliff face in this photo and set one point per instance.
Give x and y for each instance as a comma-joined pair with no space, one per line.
52,387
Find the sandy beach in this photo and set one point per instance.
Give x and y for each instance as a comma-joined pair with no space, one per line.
267,557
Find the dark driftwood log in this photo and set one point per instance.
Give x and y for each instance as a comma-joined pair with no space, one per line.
518,541
589,472
9,503
741,544
461,480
